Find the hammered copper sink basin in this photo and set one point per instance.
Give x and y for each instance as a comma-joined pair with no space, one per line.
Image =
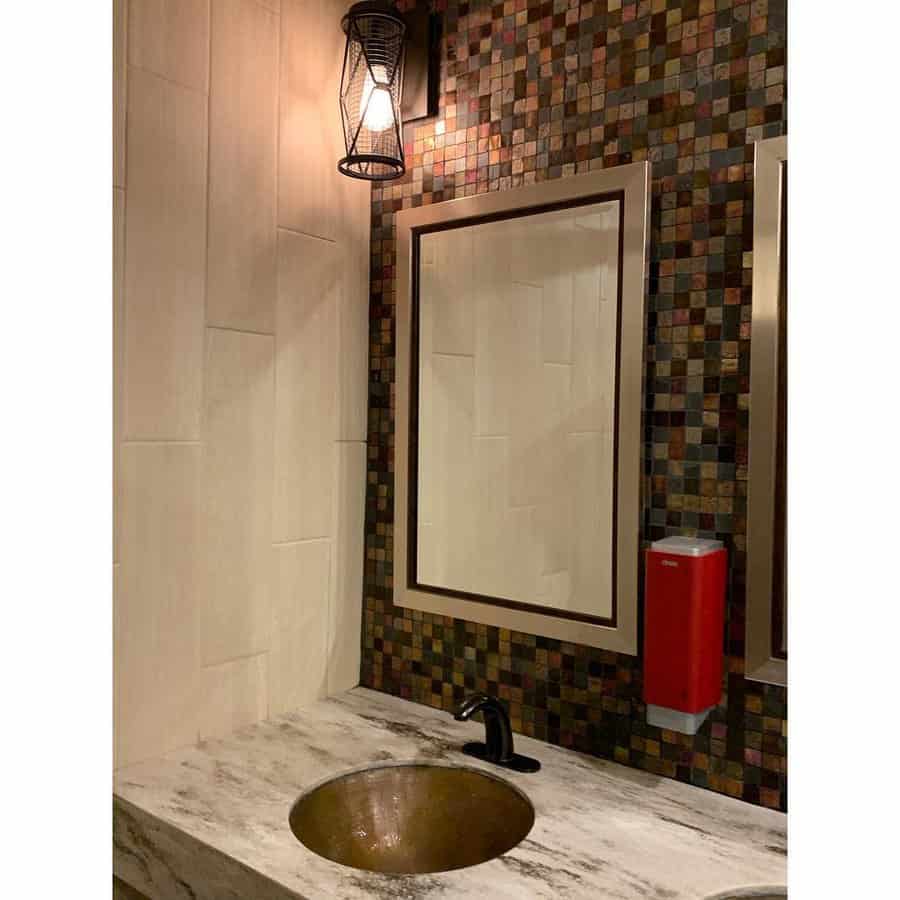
405,819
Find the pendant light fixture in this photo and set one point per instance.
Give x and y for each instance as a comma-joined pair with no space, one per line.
371,89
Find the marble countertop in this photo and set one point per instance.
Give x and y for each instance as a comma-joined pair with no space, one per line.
212,821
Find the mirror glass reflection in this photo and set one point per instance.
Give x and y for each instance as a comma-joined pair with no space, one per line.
516,357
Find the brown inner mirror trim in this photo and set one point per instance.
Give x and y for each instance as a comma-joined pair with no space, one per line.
413,460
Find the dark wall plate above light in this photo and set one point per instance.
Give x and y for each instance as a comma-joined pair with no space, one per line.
421,81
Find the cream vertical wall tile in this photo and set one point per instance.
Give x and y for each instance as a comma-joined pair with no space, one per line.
556,324
530,262
592,472
429,493
171,39
527,380
345,608
594,332
523,564
491,494
117,660
312,46
156,660
310,281
118,346
454,417
451,293
238,494
310,135
120,70
235,694
553,517
353,333
496,313
428,562
300,615
165,233
555,590
306,189
243,127
431,560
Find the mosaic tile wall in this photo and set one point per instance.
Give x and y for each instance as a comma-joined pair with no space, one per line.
540,90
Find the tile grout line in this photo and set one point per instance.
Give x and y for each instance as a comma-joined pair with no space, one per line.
270,334
168,80
205,343
161,442
234,659
275,341
325,538
308,234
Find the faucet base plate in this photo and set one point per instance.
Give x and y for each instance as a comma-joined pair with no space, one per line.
516,762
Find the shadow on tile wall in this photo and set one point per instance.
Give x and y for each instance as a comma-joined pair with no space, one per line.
533,91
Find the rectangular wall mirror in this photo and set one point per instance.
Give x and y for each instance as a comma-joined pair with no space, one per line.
767,463
520,355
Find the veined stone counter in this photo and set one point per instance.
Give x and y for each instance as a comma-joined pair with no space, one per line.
211,822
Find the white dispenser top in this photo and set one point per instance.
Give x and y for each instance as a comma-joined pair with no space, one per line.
686,546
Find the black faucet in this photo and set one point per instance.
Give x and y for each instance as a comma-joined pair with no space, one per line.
498,747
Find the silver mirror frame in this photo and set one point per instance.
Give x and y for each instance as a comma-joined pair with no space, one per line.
762,663
633,181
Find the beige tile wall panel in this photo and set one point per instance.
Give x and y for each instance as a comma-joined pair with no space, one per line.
235,694
594,333
556,311
171,39
165,260
310,281
427,498
496,313
306,190
454,471
243,130
523,561
312,44
553,514
451,293
345,608
300,617
553,408
353,328
555,589
156,656
491,496
526,428
118,346
120,71
591,532
310,135
238,494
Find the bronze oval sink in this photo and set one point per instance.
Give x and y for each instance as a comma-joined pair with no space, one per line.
413,818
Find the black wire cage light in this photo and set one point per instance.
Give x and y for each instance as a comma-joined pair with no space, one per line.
371,88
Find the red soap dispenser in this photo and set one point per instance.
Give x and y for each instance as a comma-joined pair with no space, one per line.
684,612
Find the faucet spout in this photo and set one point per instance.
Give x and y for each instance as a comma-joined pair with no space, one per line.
498,737
471,705
498,745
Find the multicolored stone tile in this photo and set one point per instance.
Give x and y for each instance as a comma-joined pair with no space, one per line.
532,91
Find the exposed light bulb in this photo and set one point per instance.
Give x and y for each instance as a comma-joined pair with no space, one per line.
376,100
